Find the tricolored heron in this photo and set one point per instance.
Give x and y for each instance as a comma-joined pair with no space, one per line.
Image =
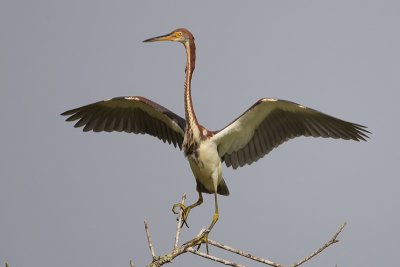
264,126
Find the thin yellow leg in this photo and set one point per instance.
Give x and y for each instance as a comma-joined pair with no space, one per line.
214,220
203,238
215,217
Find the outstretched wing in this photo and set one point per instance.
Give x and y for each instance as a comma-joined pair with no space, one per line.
270,122
131,114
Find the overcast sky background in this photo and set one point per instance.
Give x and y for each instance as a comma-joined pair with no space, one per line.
69,198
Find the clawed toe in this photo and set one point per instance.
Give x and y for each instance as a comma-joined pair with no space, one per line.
185,212
178,205
197,241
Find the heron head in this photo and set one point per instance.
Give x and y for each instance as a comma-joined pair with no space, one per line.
179,35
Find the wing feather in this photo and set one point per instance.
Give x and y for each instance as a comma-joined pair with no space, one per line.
131,115
270,122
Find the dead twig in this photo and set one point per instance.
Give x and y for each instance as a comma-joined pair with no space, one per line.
146,227
332,241
179,226
158,261
243,254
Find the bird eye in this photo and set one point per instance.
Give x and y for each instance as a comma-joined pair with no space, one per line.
178,34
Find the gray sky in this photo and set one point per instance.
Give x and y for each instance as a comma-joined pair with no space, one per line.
69,198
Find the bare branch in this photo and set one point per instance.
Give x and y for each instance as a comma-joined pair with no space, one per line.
333,240
191,245
243,254
207,256
153,254
179,226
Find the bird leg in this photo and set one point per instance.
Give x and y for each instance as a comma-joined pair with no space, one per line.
215,216
203,236
186,209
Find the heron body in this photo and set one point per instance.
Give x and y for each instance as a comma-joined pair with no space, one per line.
264,126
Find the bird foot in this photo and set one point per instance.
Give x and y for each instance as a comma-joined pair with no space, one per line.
201,238
185,212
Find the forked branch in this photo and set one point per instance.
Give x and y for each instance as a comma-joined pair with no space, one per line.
192,247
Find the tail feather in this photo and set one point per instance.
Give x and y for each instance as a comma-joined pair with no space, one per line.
222,188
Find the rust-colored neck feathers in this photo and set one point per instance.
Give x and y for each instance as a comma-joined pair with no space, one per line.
190,65
193,132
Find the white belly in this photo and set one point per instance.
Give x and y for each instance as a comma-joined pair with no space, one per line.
206,167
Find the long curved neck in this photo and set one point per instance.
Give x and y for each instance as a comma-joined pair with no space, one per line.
190,116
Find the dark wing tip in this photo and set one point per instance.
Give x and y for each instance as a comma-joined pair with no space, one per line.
362,132
68,112
71,112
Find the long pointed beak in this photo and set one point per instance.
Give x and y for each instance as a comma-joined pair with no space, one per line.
166,37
